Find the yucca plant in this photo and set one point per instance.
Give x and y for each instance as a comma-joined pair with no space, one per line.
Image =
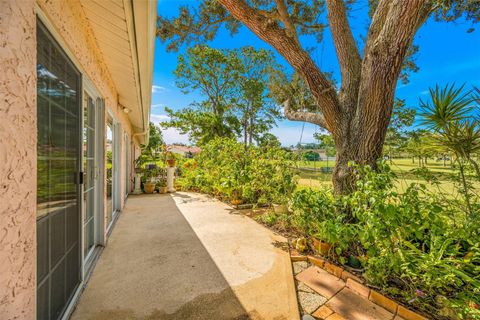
448,105
450,115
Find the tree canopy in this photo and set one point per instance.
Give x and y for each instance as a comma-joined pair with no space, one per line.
234,84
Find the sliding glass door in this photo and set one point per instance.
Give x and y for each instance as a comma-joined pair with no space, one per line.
58,177
128,168
110,176
112,169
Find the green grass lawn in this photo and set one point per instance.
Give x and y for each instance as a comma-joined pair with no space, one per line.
403,168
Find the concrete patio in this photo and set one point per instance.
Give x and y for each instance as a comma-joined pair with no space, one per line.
187,256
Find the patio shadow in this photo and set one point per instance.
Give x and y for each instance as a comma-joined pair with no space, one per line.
155,267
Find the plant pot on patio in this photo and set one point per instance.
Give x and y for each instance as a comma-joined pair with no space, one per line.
149,187
236,202
321,247
280,208
162,190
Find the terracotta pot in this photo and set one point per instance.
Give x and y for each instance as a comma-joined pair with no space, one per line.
162,190
149,187
280,208
236,202
321,247
171,162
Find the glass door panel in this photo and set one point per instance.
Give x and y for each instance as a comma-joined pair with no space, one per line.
127,148
110,170
89,170
58,166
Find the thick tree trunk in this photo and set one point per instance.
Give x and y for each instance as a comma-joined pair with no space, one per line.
359,113
350,149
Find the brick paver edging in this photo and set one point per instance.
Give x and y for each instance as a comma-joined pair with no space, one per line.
356,284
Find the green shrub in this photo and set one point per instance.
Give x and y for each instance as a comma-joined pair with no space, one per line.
224,168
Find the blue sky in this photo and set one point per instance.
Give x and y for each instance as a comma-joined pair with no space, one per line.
447,54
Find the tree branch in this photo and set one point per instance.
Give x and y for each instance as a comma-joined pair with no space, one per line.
312,117
347,52
378,20
321,89
287,22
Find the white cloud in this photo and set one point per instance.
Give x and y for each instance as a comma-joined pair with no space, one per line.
157,105
156,88
157,118
170,135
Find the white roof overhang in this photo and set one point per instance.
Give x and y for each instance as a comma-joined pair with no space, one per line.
125,34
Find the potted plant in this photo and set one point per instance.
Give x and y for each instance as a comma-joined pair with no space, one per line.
150,176
236,197
162,185
279,202
170,157
281,187
321,247
280,208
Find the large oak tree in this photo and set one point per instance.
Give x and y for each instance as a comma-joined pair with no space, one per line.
358,113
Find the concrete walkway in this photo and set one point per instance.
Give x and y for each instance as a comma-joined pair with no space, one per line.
187,256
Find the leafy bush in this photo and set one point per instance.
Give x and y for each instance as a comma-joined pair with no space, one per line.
226,169
416,245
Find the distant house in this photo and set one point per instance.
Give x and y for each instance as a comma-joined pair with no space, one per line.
187,152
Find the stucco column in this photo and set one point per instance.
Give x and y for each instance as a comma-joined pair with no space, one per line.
170,179
18,159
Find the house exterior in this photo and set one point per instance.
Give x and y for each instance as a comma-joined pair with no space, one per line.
75,90
184,151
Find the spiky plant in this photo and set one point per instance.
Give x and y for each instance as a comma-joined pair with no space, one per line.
450,115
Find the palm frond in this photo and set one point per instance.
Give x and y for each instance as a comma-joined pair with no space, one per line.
446,105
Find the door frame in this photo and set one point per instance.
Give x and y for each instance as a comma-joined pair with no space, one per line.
116,168
89,90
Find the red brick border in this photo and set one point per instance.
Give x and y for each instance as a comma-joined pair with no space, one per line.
357,285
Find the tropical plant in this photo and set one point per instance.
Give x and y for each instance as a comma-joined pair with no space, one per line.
449,114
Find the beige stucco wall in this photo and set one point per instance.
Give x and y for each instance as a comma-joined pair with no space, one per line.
71,24
18,137
18,161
